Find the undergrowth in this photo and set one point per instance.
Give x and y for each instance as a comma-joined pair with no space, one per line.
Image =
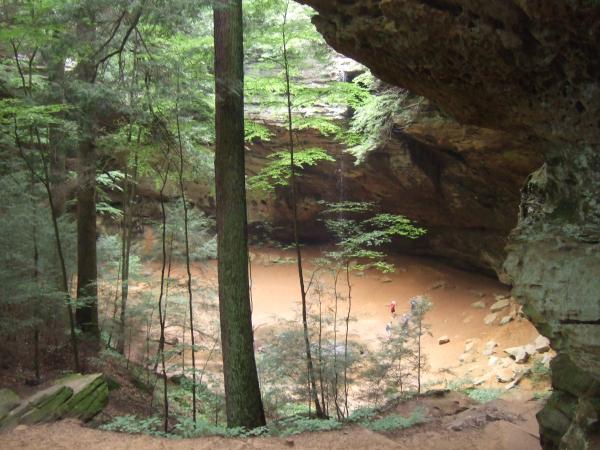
289,426
396,422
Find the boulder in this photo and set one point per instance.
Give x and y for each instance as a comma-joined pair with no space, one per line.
506,319
541,344
519,354
443,340
75,396
500,305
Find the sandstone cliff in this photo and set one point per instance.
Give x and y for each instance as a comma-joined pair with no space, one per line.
529,68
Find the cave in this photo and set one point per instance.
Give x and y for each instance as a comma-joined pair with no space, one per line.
529,70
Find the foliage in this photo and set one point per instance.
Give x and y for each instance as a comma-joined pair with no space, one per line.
133,425
539,372
359,236
30,295
278,172
299,424
377,110
482,395
394,422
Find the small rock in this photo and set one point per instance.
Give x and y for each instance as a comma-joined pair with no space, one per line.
490,348
506,319
493,361
529,348
546,359
490,319
500,305
443,340
500,297
21,428
385,279
505,375
542,344
519,354
469,346
289,442
468,320
479,304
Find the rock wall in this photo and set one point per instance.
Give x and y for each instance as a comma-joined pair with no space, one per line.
430,170
529,68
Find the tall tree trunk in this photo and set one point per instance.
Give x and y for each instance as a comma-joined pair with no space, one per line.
309,363
87,272
242,393
126,240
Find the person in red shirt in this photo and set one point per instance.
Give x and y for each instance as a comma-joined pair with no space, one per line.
392,307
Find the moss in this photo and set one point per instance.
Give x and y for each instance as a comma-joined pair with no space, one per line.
8,401
89,401
49,409
569,378
555,418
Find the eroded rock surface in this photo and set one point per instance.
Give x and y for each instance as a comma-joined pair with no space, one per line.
76,396
529,68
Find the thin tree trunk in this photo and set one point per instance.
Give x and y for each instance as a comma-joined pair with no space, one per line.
187,258
242,393
419,358
126,240
45,180
335,365
162,313
309,364
36,273
320,352
346,337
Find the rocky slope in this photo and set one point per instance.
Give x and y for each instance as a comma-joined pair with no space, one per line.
528,68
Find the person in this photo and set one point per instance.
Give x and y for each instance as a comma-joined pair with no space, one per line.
388,329
392,307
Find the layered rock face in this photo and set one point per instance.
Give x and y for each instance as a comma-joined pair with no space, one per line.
430,170
529,68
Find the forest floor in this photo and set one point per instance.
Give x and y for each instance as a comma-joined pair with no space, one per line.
454,423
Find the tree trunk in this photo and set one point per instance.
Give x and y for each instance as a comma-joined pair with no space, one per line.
87,273
242,393
86,314
309,363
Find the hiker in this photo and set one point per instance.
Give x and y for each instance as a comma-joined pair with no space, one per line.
388,329
392,307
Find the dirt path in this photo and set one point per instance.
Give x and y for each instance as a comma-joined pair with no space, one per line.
520,434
